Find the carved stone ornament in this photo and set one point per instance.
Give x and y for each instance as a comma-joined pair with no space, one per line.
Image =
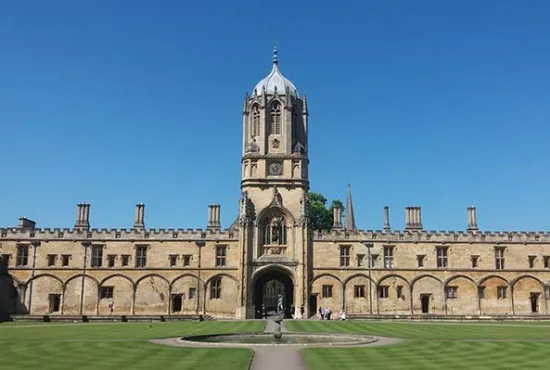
303,219
277,198
246,211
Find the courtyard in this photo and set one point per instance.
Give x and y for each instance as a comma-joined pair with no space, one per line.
126,345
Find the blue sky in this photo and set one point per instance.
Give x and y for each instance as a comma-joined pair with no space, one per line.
431,103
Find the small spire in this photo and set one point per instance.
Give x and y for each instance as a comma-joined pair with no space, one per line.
349,222
275,57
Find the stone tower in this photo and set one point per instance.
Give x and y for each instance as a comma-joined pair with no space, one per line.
273,212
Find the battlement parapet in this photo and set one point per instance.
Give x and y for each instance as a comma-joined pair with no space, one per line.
433,236
131,234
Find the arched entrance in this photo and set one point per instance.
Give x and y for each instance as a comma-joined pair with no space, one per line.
269,283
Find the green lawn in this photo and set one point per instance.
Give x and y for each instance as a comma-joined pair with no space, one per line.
425,330
117,346
433,346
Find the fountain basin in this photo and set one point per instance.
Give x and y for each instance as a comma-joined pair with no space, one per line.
288,339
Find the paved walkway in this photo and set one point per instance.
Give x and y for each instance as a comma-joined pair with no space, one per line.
273,357
276,358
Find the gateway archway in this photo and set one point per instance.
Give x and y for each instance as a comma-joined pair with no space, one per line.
267,285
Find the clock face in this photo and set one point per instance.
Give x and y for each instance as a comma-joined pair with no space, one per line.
275,169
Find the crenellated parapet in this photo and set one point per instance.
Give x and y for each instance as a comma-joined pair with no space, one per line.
143,235
27,230
433,236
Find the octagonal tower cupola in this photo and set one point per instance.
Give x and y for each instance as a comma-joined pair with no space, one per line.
275,132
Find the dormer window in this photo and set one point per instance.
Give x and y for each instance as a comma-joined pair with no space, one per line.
275,119
255,126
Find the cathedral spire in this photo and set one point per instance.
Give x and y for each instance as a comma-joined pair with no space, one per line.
349,222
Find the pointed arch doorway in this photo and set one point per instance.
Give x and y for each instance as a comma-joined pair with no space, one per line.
267,284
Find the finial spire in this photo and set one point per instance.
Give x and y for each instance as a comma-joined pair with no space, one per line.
349,222
275,57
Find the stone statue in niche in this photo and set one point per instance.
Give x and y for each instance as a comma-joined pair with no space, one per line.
299,148
252,147
275,224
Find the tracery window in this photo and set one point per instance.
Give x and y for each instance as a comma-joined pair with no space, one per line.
255,126
274,231
275,119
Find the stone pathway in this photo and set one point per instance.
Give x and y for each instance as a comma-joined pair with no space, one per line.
276,358
272,357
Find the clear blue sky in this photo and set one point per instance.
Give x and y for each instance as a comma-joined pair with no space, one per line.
432,103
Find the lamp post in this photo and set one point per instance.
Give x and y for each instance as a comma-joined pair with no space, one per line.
369,245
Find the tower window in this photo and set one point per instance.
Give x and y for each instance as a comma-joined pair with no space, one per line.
255,126
275,122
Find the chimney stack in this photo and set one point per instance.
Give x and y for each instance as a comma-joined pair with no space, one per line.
82,216
140,216
387,218
213,217
413,218
472,219
337,217
25,223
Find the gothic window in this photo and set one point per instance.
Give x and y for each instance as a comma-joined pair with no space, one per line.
274,231
275,119
255,126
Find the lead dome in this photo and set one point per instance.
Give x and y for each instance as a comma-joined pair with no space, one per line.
275,82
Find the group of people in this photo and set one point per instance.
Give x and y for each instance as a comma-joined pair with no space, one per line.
326,314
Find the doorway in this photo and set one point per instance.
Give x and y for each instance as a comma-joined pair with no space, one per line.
177,302
425,302
534,302
267,288
55,302
313,305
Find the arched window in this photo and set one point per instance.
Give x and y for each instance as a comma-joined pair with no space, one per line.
275,119
274,231
255,126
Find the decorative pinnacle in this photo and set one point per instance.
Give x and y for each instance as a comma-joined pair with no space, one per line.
275,57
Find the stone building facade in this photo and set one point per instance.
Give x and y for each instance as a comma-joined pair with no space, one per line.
270,250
